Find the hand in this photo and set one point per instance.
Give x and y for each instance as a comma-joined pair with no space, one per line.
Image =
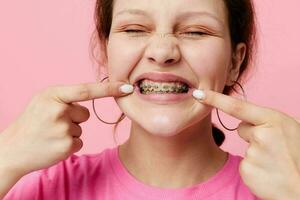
271,167
48,130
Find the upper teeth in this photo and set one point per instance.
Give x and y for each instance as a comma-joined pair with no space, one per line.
148,86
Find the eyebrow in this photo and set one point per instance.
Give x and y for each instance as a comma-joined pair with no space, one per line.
133,12
181,16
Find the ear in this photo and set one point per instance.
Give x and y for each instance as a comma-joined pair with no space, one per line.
238,56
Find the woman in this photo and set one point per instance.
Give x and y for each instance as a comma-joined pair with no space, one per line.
176,58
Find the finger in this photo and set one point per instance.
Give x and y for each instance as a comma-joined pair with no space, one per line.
76,130
87,91
244,131
78,113
237,108
77,144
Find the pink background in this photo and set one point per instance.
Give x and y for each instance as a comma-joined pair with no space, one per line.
45,43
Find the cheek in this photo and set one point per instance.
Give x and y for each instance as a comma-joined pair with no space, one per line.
122,57
209,60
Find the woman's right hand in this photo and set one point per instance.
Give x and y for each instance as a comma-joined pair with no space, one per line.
48,131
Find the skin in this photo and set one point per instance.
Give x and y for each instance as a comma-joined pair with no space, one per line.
273,152
48,131
171,145
163,155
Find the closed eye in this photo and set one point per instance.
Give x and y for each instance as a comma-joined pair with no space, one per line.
195,33
133,31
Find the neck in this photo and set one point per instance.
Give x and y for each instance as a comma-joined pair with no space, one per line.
188,158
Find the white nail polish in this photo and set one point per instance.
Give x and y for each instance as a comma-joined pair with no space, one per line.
126,88
198,94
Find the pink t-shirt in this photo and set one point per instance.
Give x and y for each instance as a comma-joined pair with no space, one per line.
103,176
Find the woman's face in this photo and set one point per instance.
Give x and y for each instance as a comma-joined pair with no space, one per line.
186,38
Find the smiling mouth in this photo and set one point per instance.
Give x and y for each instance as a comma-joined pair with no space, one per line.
147,87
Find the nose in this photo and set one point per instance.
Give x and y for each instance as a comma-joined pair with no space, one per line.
163,50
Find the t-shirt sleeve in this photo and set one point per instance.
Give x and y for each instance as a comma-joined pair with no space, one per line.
44,184
27,188
55,182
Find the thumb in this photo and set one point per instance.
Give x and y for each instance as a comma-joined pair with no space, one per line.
244,131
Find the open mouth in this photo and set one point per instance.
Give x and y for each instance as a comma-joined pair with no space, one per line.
163,88
147,86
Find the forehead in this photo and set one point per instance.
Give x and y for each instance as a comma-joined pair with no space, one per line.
170,8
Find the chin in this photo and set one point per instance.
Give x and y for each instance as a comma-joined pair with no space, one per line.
162,120
162,125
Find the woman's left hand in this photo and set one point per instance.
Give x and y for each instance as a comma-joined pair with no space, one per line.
271,167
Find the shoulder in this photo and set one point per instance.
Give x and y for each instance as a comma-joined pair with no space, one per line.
78,167
68,175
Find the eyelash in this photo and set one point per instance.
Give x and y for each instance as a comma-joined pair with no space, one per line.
133,31
141,31
197,33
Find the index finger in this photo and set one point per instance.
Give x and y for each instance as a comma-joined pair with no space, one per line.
86,91
237,108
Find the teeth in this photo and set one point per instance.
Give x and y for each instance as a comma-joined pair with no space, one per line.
149,87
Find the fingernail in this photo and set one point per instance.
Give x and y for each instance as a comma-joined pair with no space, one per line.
126,88
199,94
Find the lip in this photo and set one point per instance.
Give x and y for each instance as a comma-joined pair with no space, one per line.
162,77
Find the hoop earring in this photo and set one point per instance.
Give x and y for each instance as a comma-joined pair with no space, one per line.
245,98
120,118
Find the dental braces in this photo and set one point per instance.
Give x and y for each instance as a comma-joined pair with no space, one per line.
164,88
